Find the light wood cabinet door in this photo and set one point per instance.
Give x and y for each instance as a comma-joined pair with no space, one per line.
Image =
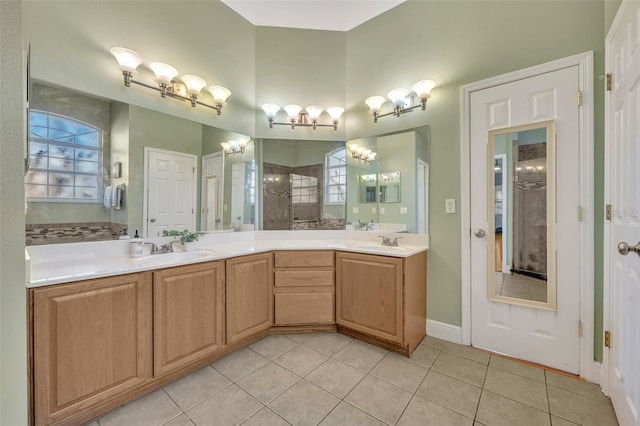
249,295
369,292
92,341
189,314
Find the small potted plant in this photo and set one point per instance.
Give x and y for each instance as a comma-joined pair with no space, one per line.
185,236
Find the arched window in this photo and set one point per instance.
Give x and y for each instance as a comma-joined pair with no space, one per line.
65,159
335,176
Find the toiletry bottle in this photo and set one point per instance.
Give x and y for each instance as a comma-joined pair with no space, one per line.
136,246
124,235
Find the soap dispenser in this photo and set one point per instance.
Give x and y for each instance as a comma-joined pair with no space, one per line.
136,246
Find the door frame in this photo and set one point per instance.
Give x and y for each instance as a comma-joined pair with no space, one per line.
589,369
203,186
145,186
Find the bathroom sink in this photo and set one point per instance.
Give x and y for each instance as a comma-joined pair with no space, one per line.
387,249
171,258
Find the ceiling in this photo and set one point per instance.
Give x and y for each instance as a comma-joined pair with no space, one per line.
334,15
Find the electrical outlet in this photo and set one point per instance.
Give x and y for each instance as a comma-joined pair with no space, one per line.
356,210
381,210
450,205
373,210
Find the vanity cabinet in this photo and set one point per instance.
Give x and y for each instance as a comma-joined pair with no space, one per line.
304,288
92,343
189,314
249,295
382,299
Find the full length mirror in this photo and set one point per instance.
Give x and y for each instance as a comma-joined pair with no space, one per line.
303,184
388,182
521,176
99,167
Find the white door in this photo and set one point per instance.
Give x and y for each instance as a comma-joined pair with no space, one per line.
170,180
237,193
211,200
513,319
623,132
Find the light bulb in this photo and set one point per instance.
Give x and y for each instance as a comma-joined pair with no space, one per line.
194,83
372,156
293,111
423,88
220,94
243,143
398,96
127,58
314,111
366,152
354,147
270,110
225,146
164,73
374,103
335,112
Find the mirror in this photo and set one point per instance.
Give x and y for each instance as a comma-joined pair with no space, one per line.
304,184
521,176
126,131
400,175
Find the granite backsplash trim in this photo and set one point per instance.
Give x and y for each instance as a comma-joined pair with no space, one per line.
57,233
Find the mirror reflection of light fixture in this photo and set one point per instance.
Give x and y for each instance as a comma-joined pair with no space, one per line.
188,90
307,118
401,99
496,166
234,147
362,153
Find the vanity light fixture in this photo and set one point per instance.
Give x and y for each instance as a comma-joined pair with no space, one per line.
307,118
361,153
188,90
401,99
234,147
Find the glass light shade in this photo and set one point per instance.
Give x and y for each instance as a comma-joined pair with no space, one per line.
293,111
372,156
220,94
360,149
335,112
423,88
226,146
243,143
164,73
398,96
354,147
233,144
375,102
366,152
194,83
127,58
314,111
270,109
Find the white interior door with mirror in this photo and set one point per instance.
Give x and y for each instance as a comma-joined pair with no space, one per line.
622,233
212,184
528,305
170,188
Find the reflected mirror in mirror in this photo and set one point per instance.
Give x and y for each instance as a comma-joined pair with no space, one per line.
521,194
70,168
367,188
389,187
304,184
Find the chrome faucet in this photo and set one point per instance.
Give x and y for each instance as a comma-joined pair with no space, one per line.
386,241
154,248
164,248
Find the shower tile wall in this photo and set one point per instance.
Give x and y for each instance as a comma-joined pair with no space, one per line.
276,197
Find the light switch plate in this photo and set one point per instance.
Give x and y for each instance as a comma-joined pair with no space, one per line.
450,205
356,210
381,210
373,210
403,210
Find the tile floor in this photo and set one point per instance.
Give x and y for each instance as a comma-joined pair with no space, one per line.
332,379
521,287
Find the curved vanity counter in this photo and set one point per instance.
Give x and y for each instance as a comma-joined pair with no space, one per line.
64,263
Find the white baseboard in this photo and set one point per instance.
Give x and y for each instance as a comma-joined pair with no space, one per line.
444,331
596,373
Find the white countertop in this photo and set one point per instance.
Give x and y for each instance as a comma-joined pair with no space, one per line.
61,263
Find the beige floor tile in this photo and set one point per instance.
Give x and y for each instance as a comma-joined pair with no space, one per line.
460,368
424,356
346,414
328,343
433,342
181,420
558,421
238,364
304,404
467,352
273,346
267,382
336,377
265,417
360,355
519,368
496,410
379,399
400,372
421,412
196,387
229,407
518,388
301,360
581,409
575,385
299,337
454,394
153,410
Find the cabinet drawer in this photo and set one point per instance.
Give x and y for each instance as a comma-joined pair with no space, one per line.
304,278
304,308
304,259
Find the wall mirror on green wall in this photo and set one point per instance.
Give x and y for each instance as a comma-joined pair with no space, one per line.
390,193
77,139
304,184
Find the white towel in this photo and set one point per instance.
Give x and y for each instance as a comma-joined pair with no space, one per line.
108,196
114,196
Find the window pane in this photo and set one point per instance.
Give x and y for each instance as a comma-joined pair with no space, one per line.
60,179
38,161
87,180
90,139
37,177
61,152
86,167
64,124
60,164
36,190
60,191
87,154
38,119
87,193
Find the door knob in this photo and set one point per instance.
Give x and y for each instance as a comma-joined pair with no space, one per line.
152,220
624,248
479,233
